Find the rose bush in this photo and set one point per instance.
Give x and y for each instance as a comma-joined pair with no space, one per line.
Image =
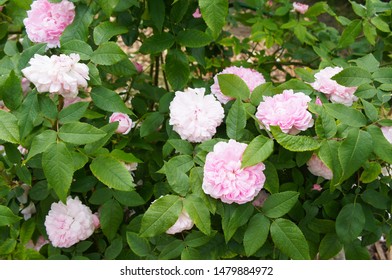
269,143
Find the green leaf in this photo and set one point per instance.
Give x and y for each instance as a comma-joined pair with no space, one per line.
235,216
330,246
371,172
355,251
368,62
370,32
328,154
157,13
256,233
9,130
233,86
279,204
108,100
325,125
161,215
258,150
73,112
193,38
383,75
110,129
177,69
198,212
12,93
131,199
79,28
380,24
28,53
350,33
214,14
236,120
108,6
294,143
123,156
152,122
124,68
175,170
104,31
27,231
353,76
7,246
7,217
346,115
57,163
110,218
139,245
376,199
289,239
350,222
370,110
114,249
181,146
381,146
265,89
157,43
271,178
79,47
41,142
27,114
112,173
80,133
108,53
354,151
172,250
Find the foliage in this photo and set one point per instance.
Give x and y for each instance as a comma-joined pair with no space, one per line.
74,151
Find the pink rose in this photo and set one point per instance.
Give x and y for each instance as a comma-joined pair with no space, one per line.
251,77
124,122
224,178
318,168
260,199
300,8
46,21
287,110
184,222
195,116
335,93
139,67
317,187
67,224
61,74
41,241
25,85
197,13
387,131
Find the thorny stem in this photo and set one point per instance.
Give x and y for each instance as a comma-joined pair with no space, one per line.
164,75
156,77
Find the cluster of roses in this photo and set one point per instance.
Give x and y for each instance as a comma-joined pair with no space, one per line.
193,115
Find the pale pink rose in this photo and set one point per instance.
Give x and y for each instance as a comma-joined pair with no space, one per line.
300,8
1,8
96,220
224,178
195,116
57,74
24,197
197,13
251,77
139,67
124,122
287,110
67,224
387,131
318,168
28,211
25,85
260,199
184,222
22,150
335,93
46,21
41,241
131,166
317,187
318,101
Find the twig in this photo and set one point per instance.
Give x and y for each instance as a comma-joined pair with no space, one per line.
380,251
